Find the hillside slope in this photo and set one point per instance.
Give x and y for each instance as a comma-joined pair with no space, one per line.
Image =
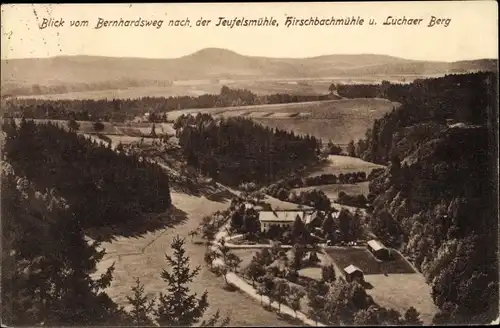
78,73
437,201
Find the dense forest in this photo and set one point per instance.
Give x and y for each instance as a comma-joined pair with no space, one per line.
427,106
47,263
101,186
437,201
120,109
237,150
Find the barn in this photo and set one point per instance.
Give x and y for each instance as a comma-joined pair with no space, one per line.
379,250
353,273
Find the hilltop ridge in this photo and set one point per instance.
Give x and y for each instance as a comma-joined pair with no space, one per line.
210,64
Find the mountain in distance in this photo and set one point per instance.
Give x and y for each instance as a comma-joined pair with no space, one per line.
216,64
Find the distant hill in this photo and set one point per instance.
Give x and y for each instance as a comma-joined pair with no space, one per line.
79,73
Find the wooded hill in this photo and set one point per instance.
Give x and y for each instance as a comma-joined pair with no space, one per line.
101,186
238,150
437,201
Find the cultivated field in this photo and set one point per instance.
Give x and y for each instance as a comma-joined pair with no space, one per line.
277,204
337,120
332,190
400,287
401,291
363,259
195,88
135,130
337,164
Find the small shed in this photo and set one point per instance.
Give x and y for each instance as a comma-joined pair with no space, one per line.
379,250
353,273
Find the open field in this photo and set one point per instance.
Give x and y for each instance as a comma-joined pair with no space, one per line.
401,291
193,89
337,120
144,257
125,140
332,190
363,259
401,288
337,164
295,86
277,204
115,129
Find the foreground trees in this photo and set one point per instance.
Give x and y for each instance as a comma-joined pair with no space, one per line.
47,263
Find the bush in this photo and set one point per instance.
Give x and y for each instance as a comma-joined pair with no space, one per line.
98,126
352,200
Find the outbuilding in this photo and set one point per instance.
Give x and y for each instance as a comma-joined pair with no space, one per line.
379,250
353,273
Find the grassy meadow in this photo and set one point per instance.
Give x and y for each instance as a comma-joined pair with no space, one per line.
332,190
338,120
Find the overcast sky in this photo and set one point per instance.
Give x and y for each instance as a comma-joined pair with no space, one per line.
471,34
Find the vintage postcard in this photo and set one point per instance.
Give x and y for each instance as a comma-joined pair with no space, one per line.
249,164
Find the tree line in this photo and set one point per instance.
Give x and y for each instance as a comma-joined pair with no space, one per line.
237,150
119,110
103,187
37,89
437,201
327,178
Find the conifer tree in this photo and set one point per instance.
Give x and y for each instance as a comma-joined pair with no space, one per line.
412,317
178,306
142,307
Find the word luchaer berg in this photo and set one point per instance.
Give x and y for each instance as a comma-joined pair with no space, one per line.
242,21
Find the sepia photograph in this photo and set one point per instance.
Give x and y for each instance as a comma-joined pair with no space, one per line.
249,164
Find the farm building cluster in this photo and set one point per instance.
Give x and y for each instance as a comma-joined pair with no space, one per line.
378,250
285,219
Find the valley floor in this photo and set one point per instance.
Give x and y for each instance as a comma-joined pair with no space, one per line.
144,257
